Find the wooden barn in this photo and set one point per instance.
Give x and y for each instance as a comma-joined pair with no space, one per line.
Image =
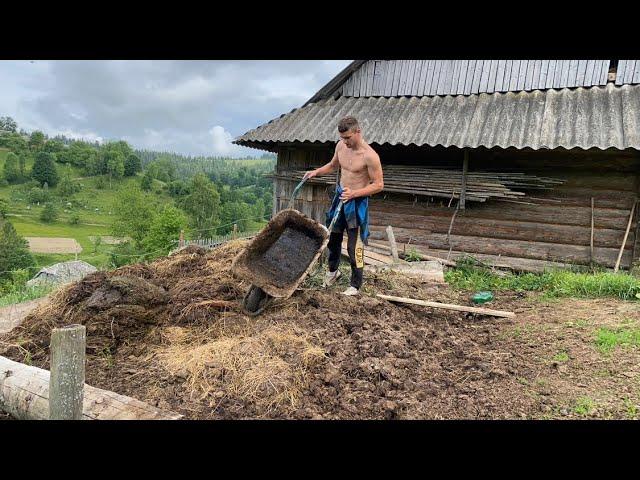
523,163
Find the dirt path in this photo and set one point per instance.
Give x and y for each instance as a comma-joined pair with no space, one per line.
53,245
12,315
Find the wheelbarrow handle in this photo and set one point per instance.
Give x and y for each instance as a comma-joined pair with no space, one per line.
295,192
336,215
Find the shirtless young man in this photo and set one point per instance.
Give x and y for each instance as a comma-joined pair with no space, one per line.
361,177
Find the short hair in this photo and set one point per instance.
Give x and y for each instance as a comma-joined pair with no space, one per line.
348,123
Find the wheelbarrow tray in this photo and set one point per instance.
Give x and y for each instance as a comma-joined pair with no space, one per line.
280,257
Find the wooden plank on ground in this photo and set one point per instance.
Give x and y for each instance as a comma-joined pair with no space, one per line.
448,306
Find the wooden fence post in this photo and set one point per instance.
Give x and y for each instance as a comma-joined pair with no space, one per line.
392,243
66,383
181,240
235,231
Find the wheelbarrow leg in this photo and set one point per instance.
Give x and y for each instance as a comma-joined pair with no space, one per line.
256,300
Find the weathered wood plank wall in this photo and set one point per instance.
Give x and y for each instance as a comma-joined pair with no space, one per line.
557,227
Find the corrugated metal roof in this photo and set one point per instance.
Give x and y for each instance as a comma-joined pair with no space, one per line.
628,72
600,117
393,78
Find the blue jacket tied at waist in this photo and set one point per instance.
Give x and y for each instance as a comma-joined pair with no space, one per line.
356,213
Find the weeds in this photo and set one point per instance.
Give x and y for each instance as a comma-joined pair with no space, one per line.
557,283
607,339
561,357
632,409
412,255
584,406
24,294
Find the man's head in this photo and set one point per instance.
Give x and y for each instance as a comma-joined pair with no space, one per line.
350,132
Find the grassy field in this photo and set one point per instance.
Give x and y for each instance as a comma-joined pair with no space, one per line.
94,212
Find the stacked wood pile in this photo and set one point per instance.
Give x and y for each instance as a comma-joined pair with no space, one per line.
445,183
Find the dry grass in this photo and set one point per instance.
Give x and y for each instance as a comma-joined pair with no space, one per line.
268,368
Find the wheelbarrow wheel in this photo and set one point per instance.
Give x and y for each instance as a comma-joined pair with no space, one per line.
256,300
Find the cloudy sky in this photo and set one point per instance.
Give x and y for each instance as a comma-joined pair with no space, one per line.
189,107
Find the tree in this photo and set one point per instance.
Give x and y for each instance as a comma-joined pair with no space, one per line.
115,164
22,162
147,181
67,187
165,231
4,208
36,141
49,213
134,212
11,170
202,204
44,170
38,195
82,154
132,165
14,142
235,212
57,149
8,124
14,250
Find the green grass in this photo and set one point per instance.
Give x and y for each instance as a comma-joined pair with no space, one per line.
632,409
25,294
561,357
94,211
559,283
607,339
584,406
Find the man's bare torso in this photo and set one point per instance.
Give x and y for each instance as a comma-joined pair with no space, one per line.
353,164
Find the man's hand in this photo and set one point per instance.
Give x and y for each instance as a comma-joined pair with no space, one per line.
347,194
310,174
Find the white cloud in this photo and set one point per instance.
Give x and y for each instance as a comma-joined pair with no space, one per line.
222,143
159,105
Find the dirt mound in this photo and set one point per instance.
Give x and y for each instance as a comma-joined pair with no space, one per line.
119,307
172,333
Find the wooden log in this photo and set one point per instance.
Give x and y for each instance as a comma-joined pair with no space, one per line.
541,214
24,394
66,382
506,229
624,241
392,243
449,306
516,264
555,252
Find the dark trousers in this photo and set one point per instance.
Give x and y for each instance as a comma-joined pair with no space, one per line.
335,250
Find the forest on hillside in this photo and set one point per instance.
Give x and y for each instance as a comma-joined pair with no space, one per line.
146,197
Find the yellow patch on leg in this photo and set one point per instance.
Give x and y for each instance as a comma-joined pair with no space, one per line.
359,251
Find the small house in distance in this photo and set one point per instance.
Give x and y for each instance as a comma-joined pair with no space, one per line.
525,163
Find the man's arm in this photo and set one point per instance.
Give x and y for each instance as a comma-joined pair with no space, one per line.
328,168
374,167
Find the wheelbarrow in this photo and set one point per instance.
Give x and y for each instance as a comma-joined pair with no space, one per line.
281,256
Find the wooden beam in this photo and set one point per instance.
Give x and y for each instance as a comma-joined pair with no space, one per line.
392,244
624,241
448,306
463,188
